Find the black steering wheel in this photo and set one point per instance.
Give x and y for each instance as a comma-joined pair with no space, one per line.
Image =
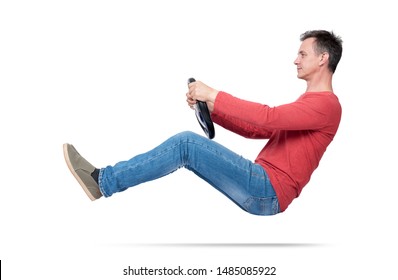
203,116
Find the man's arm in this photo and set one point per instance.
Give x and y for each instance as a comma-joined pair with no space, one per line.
254,120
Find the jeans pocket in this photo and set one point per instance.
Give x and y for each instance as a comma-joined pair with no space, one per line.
263,206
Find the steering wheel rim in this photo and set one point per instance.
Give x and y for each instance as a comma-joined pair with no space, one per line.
202,114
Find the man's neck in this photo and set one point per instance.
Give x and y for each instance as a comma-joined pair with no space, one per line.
320,83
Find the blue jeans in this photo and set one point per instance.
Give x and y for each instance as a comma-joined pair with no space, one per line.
241,180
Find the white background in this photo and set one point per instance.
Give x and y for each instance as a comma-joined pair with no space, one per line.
110,78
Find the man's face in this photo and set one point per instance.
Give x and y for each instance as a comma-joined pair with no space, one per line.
307,60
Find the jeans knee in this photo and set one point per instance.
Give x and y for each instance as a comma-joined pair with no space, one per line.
187,135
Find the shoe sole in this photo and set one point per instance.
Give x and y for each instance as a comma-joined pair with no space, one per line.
77,177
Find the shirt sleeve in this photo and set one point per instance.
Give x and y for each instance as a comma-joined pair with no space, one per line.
255,120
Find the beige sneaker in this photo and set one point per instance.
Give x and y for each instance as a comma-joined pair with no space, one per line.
82,170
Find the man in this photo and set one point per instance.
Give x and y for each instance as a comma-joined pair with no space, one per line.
298,135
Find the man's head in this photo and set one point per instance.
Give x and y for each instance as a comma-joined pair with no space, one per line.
325,43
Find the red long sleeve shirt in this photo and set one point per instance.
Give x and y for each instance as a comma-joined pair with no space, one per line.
298,135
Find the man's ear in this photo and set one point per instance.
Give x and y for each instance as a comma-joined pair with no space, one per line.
324,58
